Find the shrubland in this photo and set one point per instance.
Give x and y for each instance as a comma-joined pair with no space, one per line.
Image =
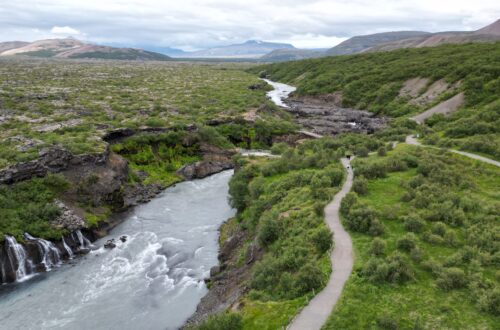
373,81
425,232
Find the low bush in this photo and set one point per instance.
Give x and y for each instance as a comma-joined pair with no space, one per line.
360,185
451,278
407,242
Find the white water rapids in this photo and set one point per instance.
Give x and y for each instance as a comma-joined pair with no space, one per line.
152,281
279,93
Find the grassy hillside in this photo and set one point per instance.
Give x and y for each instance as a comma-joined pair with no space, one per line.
435,263
373,82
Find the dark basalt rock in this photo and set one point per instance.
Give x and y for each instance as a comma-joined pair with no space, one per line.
202,169
50,160
324,116
110,244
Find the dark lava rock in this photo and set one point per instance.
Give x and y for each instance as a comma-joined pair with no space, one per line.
215,270
110,244
325,117
123,238
203,169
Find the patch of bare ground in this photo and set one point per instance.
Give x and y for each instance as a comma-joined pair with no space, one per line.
412,87
434,91
444,108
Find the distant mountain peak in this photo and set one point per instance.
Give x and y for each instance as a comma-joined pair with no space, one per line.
248,49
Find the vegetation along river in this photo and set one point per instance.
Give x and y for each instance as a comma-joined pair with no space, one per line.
153,280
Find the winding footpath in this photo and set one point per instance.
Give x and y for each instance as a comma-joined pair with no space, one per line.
315,314
410,139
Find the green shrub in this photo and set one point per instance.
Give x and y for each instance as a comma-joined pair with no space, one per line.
451,278
361,151
407,242
395,269
269,231
348,202
377,247
360,185
438,228
309,278
360,218
322,239
413,223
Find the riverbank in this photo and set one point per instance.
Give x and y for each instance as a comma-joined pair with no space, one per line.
156,275
93,190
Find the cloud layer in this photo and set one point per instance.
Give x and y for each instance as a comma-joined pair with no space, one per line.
195,24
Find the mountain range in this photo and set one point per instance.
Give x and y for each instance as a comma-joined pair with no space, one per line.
251,49
73,48
387,41
248,49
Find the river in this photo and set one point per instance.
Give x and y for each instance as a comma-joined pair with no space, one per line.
154,280
279,93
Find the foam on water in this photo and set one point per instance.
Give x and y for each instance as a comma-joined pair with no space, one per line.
279,93
153,280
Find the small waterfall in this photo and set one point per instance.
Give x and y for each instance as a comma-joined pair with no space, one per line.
68,249
18,261
50,254
82,240
16,256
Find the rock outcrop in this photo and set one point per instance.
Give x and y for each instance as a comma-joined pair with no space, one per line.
68,219
50,160
215,160
19,261
203,169
324,116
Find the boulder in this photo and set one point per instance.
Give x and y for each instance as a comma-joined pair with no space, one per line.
202,169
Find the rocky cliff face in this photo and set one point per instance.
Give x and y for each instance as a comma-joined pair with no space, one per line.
50,160
95,178
20,261
215,160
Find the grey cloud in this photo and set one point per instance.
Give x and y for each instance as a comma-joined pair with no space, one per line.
205,23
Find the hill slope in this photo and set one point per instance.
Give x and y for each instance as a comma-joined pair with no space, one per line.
8,45
406,82
361,43
72,48
279,55
489,33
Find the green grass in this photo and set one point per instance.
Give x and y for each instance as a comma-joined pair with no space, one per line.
372,81
419,303
270,315
108,95
29,206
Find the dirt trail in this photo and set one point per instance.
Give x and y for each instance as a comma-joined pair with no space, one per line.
410,139
315,314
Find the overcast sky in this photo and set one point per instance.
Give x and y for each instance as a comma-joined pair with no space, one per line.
196,24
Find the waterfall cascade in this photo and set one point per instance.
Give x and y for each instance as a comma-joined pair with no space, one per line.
19,261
